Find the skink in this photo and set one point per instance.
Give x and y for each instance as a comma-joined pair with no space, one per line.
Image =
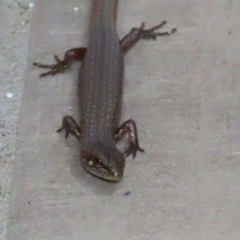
100,88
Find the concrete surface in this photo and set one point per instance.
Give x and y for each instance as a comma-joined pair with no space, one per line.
184,93
14,18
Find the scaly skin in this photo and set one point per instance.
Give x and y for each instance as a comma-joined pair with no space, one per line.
100,90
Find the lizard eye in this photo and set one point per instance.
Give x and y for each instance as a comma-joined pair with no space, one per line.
98,163
95,162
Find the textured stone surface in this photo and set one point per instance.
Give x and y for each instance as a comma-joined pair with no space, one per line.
183,92
14,28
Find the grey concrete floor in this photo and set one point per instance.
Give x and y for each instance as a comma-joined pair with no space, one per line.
182,90
14,32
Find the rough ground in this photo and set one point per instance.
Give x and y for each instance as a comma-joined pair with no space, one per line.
182,90
14,30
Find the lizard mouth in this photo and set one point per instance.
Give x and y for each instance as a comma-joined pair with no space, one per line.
95,168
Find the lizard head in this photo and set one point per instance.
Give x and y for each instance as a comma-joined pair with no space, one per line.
104,162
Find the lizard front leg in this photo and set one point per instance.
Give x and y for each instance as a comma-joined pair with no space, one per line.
70,126
129,127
